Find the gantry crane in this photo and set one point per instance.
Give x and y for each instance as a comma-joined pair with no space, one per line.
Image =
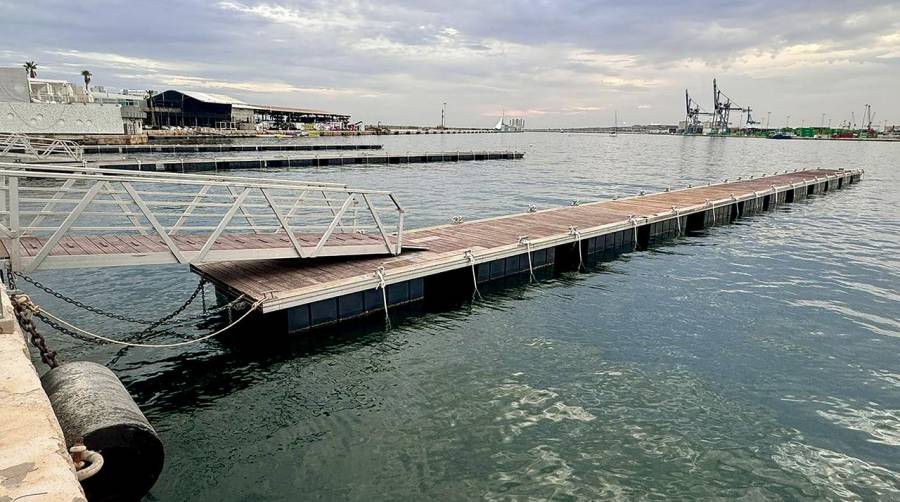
693,112
723,106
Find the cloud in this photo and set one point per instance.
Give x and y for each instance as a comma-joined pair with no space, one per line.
301,19
561,63
580,109
533,112
189,82
116,61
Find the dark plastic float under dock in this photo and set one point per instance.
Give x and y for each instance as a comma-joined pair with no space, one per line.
270,160
223,147
300,294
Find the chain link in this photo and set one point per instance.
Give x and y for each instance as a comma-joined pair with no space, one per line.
179,310
24,308
112,315
11,277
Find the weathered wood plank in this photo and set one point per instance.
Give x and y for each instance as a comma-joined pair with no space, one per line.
292,279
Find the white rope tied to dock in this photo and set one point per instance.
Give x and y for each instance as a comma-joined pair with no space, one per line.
633,221
382,285
574,232
40,311
527,243
471,259
80,454
677,220
712,210
734,199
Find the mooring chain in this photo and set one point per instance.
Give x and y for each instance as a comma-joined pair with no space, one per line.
81,305
179,310
470,257
11,277
28,308
37,312
24,309
573,231
113,315
169,329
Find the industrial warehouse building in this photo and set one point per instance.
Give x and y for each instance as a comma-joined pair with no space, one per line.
201,109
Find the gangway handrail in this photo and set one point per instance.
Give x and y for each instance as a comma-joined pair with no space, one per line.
45,206
17,144
152,174
76,172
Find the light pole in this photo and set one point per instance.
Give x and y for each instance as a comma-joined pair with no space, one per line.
787,123
443,112
768,118
823,121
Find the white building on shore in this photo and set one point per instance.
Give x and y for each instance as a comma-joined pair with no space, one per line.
39,106
510,124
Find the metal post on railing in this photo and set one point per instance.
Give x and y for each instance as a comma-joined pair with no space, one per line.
14,247
3,189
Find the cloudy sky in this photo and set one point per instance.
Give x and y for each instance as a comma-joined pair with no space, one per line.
561,63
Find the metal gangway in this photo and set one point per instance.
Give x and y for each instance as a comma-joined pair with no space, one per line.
36,148
58,216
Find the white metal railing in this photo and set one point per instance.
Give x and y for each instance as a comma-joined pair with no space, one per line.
21,145
41,206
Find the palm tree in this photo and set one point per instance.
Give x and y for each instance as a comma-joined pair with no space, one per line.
30,68
150,104
87,79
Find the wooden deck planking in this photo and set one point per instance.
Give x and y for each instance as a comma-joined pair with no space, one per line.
289,279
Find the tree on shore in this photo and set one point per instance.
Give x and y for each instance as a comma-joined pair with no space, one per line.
150,95
31,68
87,79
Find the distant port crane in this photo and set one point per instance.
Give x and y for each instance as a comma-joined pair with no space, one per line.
870,119
692,123
723,105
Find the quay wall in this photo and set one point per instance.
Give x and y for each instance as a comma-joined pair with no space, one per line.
34,461
56,118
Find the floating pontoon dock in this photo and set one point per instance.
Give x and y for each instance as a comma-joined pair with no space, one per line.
272,160
299,294
223,147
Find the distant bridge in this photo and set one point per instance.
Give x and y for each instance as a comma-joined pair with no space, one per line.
74,216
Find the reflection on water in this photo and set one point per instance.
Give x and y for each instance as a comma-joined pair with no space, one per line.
837,474
756,360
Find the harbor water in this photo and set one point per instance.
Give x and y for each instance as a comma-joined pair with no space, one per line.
753,361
